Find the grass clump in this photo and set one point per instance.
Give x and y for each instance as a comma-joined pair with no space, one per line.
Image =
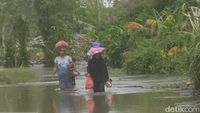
16,75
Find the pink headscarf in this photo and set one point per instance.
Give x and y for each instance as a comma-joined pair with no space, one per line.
62,44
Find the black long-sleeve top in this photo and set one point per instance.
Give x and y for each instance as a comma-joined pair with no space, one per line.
98,69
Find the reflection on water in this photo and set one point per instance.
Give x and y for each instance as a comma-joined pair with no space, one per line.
47,100
99,103
67,103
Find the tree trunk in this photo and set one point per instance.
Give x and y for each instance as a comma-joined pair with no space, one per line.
3,41
98,13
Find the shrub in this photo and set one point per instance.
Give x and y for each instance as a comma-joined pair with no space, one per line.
194,68
141,60
15,75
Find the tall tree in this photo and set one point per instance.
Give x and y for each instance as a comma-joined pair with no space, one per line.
56,20
21,32
10,11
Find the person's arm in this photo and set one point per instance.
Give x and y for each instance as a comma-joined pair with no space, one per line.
71,63
70,59
108,80
106,71
54,69
89,67
73,69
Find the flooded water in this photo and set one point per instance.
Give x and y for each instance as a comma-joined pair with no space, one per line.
128,95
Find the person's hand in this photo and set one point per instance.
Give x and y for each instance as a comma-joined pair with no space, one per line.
72,69
76,73
71,65
87,74
109,83
53,76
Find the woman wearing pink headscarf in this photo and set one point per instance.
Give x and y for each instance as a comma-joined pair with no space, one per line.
97,67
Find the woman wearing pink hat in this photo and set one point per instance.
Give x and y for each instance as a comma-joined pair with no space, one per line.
97,67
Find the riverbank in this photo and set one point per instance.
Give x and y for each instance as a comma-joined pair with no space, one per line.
149,81
15,75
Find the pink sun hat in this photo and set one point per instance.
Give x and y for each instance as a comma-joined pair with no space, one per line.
95,50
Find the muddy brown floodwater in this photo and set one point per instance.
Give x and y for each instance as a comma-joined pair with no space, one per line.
129,94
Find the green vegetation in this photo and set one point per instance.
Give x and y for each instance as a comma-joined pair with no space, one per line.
16,75
141,36
162,40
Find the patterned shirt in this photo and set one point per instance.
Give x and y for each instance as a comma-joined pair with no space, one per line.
63,64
